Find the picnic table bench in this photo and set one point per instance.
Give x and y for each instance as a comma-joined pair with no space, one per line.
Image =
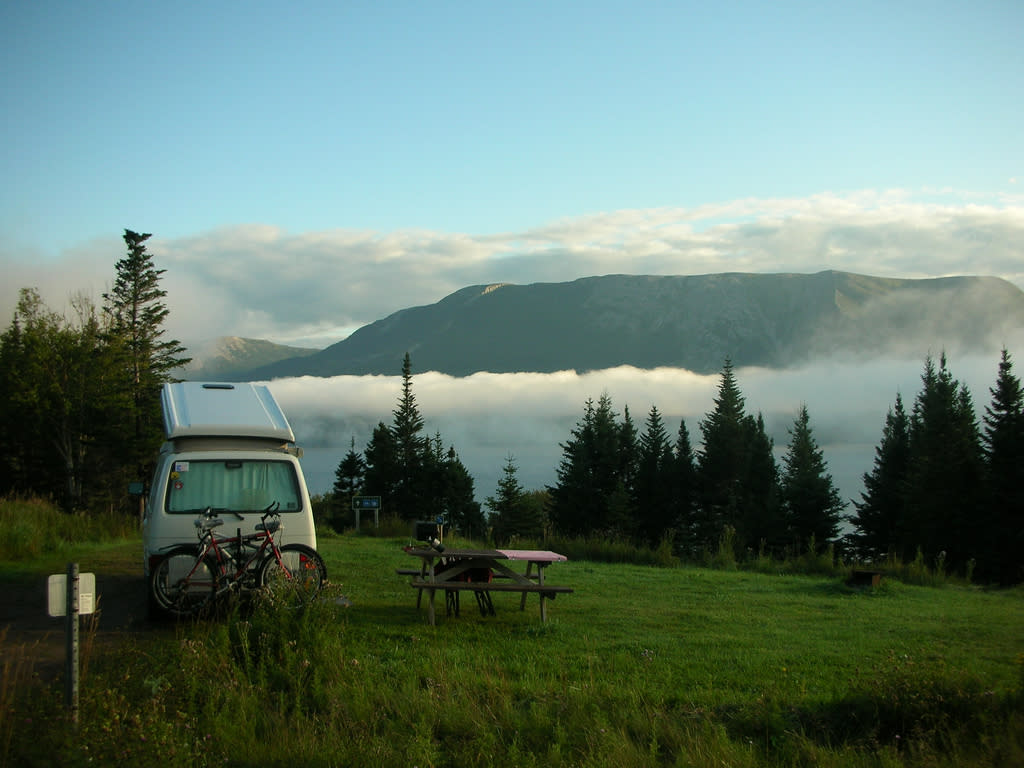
481,572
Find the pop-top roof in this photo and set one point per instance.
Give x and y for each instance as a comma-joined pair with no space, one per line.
210,409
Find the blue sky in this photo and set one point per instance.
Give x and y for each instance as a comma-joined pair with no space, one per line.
178,118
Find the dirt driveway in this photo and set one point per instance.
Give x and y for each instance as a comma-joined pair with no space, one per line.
28,634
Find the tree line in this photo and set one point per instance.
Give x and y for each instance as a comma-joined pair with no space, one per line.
80,394
942,487
411,472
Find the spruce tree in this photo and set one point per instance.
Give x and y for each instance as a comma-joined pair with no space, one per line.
810,501
653,493
58,400
760,521
590,495
682,481
879,526
573,496
946,472
410,451
348,480
462,510
735,470
511,515
1003,444
382,469
629,451
137,313
720,463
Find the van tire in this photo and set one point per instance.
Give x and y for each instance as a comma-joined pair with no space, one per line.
303,576
190,595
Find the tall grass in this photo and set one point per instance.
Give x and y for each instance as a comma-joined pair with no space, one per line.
640,666
34,527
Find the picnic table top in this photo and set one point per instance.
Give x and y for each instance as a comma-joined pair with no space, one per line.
532,555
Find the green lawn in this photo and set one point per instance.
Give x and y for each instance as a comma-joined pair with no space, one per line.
639,666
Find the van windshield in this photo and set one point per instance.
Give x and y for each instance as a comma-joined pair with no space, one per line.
232,486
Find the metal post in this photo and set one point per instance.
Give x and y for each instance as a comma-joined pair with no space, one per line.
71,624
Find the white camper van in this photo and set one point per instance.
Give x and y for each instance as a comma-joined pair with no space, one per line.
229,447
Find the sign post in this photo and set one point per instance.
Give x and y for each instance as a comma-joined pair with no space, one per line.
69,595
359,503
71,630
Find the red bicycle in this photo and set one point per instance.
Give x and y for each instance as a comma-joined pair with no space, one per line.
190,578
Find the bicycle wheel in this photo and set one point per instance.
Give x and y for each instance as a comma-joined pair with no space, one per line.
181,584
301,573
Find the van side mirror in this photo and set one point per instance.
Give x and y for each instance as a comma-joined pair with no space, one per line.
136,489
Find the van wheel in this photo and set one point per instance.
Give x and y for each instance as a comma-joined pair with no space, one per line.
300,575
181,584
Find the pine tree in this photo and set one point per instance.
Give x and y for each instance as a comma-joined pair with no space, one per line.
58,401
879,518
511,515
410,450
719,463
811,503
629,452
348,480
383,473
652,497
1003,445
462,510
137,314
683,484
945,472
590,495
760,521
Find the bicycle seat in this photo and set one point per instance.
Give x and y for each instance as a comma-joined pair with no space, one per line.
208,524
270,526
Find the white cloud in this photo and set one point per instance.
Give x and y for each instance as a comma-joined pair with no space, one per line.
263,282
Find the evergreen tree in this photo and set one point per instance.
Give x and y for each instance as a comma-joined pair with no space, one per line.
538,503
946,471
879,518
462,510
137,314
590,495
1003,444
721,464
629,452
28,461
511,514
383,473
683,484
810,501
411,449
760,521
653,494
348,481
56,406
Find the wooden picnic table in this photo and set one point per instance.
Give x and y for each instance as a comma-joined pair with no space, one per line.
481,571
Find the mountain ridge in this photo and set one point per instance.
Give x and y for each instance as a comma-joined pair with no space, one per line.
773,320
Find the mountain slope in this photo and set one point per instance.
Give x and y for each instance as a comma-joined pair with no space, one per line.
694,322
229,356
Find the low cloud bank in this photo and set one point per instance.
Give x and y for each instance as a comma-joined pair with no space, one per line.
488,417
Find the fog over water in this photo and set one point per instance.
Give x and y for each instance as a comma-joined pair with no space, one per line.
488,417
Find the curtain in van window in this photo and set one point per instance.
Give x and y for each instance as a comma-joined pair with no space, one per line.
239,486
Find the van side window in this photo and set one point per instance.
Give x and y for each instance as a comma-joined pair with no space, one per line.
232,485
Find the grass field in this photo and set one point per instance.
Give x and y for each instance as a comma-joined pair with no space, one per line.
641,666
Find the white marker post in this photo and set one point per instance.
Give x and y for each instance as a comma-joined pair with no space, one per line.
70,595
